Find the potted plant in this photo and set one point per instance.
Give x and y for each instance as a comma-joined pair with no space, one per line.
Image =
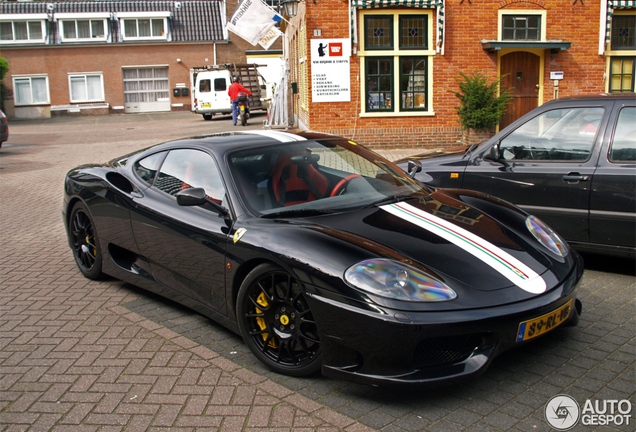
481,106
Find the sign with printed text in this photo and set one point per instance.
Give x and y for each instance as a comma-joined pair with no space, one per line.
330,70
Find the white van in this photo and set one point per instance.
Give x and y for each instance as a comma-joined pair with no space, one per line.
211,84
210,94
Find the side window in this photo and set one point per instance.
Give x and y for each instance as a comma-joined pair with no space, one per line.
220,84
147,167
566,134
623,148
184,169
204,85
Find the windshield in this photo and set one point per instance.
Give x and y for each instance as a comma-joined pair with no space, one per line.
315,177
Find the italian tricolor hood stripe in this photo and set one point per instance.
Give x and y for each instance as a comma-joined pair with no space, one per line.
510,267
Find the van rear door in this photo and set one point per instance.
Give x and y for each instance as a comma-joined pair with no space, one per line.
205,96
221,98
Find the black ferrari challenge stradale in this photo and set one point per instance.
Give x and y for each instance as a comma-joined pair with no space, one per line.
324,255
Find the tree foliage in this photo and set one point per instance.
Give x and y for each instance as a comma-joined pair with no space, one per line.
480,104
4,68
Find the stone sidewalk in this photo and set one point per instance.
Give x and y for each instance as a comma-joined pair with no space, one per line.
80,355
72,358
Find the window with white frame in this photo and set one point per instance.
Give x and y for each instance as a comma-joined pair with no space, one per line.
31,90
80,27
623,52
522,25
397,52
23,28
150,25
86,87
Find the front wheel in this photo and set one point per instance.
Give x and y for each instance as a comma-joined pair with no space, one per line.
276,322
85,243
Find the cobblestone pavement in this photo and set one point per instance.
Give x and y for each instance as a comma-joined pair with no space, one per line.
79,355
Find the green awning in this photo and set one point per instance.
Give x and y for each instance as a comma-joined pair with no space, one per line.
419,4
554,46
612,5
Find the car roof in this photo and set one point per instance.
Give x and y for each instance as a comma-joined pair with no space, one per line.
596,97
224,142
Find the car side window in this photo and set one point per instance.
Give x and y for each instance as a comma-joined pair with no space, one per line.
565,134
147,167
623,148
185,168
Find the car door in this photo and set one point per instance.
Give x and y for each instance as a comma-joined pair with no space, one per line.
546,164
185,246
613,200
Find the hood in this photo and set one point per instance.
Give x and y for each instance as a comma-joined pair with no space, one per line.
450,154
469,250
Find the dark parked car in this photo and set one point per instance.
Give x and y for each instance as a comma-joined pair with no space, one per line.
571,162
4,128
322,254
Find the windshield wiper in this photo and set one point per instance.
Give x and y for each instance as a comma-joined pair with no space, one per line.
389,199
296,212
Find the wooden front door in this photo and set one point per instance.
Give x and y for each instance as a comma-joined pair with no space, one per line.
520,71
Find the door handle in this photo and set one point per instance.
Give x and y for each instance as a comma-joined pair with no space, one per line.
574,178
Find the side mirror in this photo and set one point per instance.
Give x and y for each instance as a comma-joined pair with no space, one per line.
195,197
414,166
492,154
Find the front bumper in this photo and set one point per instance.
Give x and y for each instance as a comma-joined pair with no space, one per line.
433,348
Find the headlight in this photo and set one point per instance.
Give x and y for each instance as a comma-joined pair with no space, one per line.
546,236
398,281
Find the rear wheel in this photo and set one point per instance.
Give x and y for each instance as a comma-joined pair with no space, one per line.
276,322
85,243
207,116
243,119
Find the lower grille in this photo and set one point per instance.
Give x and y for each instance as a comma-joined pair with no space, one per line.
445,350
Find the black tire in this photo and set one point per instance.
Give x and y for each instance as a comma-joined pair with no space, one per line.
243,119
207,117
276,322
85,243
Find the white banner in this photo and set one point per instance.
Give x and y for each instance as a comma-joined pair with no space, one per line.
270,38
330,70
252,19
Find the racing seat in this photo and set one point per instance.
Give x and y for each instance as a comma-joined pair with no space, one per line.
296,179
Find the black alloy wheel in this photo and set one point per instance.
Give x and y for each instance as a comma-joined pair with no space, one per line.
276,322
86,248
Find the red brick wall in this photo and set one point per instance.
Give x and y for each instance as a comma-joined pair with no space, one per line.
466,26
108,59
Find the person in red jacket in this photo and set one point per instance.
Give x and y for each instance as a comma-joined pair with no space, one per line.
233,92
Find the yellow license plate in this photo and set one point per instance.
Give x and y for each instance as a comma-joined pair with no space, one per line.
206,105
543,324
242,108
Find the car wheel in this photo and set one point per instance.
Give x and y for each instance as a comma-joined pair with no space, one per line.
86,247
207,116
276,322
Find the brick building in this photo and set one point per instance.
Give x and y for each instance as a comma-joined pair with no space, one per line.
103,57
406,55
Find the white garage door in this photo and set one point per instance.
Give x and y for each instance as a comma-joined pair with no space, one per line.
146,89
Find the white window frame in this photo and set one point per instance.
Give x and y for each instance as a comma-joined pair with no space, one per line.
30,78
26,18
522,12
396,53
124,16
61,18
85,75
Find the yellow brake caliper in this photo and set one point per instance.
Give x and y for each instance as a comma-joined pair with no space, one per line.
262,300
